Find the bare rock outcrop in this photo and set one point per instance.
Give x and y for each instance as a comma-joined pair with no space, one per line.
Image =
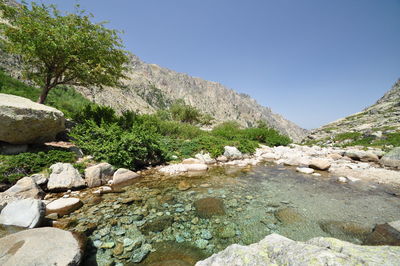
23,121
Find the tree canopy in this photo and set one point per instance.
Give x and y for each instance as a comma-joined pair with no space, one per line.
59,48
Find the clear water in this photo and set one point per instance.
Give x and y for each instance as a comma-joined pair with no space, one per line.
258,201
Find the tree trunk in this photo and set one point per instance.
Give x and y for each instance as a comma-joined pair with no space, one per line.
43,95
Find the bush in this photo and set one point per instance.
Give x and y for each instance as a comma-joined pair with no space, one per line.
13,167
268,136
131,149
228,130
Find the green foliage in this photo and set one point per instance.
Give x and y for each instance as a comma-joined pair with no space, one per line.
131,149
228,130
62,49
13,167
347,135
185,113
267,136
68,101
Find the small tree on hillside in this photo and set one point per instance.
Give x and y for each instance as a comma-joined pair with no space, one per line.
62,49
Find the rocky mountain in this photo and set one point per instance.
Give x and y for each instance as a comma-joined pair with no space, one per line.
376,121
151,87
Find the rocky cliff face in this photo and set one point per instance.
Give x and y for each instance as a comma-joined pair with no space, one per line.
380,119
151,87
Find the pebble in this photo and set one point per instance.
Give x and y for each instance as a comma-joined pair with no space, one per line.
108,245
179,210
179,238
195,220
201,243
205,234
97,243
127,242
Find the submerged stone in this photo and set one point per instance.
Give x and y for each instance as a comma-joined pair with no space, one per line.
158,224
288,216
208,207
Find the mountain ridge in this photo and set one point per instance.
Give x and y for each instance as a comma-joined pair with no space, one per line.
375,121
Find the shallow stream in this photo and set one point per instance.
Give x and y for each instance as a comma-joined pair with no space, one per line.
242,206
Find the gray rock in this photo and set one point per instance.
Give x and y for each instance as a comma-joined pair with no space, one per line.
63,177
232,152
278,250
24,213
99,174
41,246
40,179
392,158
35,123
25,188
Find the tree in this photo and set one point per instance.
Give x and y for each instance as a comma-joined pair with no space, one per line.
62,48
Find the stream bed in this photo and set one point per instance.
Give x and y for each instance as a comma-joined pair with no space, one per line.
178,220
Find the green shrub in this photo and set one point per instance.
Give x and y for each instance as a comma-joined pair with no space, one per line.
131,149
268,136
228,130
13,167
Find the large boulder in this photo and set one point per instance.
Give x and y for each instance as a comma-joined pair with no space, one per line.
63,177
24,213
99,174
392,158
23,121
278,250
41,246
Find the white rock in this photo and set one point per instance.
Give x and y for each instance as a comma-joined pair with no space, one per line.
41,246
342,179
270,156
305,170
64,176
197,167
103,190
63,206
24,213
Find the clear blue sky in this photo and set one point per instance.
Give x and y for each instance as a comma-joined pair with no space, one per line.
313,61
